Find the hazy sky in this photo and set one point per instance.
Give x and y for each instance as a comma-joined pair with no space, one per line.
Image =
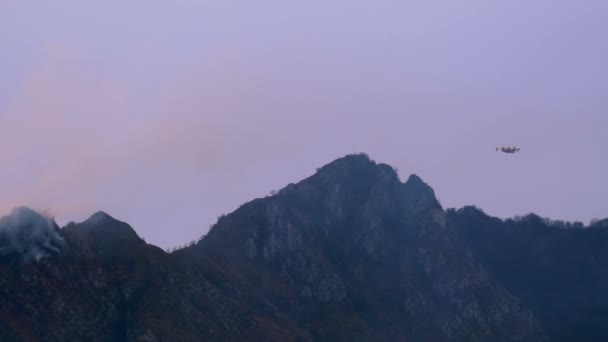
167,114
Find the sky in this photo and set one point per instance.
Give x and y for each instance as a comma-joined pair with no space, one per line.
167,114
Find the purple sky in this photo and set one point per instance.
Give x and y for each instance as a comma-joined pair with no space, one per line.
167,114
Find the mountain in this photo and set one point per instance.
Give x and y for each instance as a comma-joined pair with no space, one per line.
350,253
558,270
109,285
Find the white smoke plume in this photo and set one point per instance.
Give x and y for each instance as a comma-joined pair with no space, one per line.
29,235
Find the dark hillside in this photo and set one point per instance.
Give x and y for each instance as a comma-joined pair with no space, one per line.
559,270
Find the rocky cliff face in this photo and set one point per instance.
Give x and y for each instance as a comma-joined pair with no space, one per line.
350,253
353,253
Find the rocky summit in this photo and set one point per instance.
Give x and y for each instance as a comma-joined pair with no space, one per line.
351,253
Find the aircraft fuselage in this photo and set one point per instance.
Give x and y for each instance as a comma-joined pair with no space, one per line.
508,149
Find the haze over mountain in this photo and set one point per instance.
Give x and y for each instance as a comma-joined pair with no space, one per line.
210,103
350,253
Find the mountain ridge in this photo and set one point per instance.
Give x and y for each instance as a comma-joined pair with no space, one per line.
349,253
353,236
556,268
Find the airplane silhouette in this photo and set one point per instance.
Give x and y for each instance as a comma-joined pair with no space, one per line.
508,149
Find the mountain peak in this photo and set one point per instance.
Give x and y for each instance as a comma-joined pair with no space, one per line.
355,179
359,164
100,217
416,188
354,158
415,179
355,167
102,223
348,163
103,234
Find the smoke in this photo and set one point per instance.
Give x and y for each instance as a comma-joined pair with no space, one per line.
28,235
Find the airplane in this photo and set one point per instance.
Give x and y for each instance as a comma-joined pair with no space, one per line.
508,149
